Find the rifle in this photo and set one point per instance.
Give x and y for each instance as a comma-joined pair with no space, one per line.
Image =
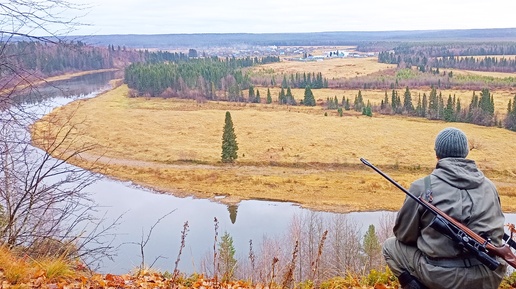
479,247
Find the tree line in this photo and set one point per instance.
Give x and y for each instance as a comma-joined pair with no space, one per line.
510,120
44,58
302,80
358,104
50,59
293,80
438,107
480,110
457,56
210,78
415,77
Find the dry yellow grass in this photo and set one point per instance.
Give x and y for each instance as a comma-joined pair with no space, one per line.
485,73
76,74
285,153
330,68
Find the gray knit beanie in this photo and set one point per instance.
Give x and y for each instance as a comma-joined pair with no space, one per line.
451,142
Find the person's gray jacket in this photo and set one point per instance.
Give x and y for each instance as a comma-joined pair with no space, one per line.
460,190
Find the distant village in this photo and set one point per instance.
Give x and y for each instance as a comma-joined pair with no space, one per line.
292,53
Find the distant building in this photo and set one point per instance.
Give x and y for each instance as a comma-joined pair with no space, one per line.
337,53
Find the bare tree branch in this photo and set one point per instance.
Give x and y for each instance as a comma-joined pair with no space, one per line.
44,207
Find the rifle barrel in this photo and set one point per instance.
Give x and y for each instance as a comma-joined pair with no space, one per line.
367,163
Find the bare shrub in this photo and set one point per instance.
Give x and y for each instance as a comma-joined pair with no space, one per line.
45,207
116,83
342,254
384,232
133,93
386,223
316,247
175,274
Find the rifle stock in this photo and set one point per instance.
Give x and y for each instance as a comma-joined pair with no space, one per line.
478,246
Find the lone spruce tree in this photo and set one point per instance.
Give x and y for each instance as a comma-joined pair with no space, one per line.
309,99
227,262
229,143
371,248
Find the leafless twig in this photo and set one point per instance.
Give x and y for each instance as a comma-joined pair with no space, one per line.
183,237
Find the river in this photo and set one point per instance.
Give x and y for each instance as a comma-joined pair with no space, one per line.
142,208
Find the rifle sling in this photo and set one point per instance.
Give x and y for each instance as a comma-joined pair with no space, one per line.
457,262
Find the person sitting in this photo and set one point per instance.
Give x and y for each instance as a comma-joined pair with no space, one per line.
420,256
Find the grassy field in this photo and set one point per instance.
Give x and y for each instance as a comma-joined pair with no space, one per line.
330,68
485,73
336,68
285,153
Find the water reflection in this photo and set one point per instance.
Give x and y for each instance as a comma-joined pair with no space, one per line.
142,208
232,213
70,88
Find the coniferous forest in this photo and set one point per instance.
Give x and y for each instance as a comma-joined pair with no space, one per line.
481,57
198,77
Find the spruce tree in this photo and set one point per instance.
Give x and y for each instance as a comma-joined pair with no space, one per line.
347,106
458,111
407,102
486,102
226,254
289,97
284,83
510,119
269,97
309,98
386,99
449,110
433,104
251,94
424,105
229,143
440,111
419,107
385,102
371,248
394,101
359,102
281,97
368,110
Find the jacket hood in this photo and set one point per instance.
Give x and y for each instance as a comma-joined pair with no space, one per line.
459,172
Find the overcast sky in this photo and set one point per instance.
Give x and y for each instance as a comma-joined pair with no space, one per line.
271,16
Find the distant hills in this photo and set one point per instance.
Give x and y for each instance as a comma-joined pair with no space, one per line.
168,41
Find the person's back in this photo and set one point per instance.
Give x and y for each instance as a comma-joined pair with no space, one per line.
459,189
